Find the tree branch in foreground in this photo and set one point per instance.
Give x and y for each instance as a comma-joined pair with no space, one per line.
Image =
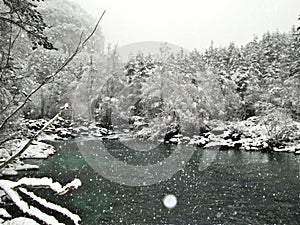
79,47
11,188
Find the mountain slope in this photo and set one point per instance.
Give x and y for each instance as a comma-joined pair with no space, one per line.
146,48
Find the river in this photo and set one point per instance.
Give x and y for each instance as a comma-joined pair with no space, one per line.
233,187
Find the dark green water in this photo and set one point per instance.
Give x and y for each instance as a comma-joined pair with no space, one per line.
237,188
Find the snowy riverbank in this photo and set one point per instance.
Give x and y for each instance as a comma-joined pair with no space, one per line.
37,150
60,130
253,134
250,135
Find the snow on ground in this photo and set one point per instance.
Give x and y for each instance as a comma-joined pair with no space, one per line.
18,165
37,150
249,135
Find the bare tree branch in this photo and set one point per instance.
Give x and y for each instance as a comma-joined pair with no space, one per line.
60,68
5,108
17,36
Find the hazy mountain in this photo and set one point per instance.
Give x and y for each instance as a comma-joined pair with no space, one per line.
146,47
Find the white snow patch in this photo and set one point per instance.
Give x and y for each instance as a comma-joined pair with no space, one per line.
74,184
174,140
26,167
4,213
21,221
198,141
9,172
219,143
37,150
2,193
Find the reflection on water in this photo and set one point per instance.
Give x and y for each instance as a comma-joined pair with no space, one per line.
237,188
121,164
133,153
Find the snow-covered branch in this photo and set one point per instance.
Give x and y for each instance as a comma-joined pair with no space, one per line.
11,189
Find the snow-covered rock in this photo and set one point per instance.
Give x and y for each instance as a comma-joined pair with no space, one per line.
9,172
97,134
223,144
111,137
199,141
13,169
174,140
219,130
144,133
37,150
291,147
26,167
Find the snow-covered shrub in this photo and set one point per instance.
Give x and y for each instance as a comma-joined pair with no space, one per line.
279,125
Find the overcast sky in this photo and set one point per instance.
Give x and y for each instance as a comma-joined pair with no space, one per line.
192,23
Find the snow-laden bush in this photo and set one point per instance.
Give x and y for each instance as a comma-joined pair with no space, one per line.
279,125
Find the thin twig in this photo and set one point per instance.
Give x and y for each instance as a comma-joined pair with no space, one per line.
95,28
15,39
5,108
60,68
